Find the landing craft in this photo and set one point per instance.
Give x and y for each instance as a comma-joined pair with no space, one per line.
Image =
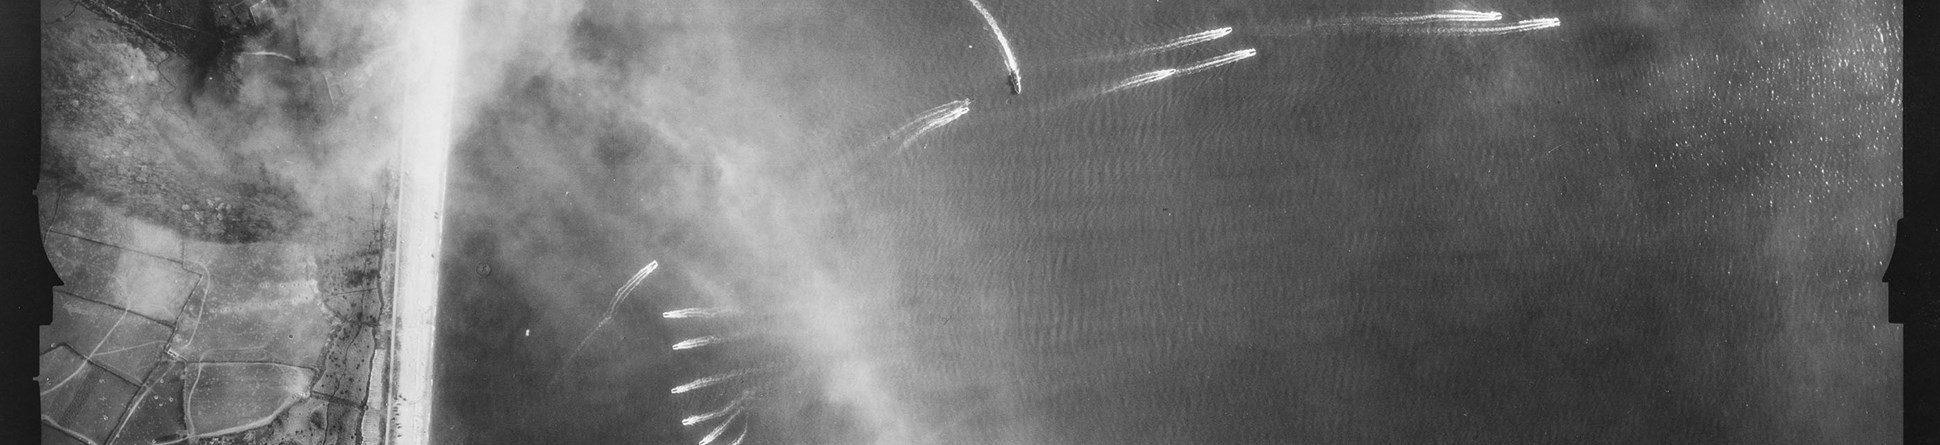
1016,84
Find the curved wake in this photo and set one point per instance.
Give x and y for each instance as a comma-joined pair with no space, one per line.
1015,78
618,296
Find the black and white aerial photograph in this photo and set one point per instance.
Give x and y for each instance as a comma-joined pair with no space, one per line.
968,222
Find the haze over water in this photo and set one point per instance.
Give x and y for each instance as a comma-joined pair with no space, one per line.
1646,223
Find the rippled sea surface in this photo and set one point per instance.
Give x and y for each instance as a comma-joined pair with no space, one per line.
1652,222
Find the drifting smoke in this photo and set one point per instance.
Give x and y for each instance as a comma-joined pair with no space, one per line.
707,127
308,126
586,132
604,128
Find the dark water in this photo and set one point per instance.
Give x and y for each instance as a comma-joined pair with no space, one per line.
1655,223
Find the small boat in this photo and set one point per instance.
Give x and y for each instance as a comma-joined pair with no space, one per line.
1016,83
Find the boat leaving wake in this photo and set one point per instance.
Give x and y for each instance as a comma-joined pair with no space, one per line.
936,119
1142,80
1472,31
1455,23
1015,76
1176,43
1453,15
618,297
1168,73
1218,61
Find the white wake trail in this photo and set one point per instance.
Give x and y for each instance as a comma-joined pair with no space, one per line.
1141,80
716,434
1016,76
1452,15
618,296
1409,23
1471,31
732,406
1180,42
697,342
708,381
929,116
1195,39
698,312
1168,73
1218,61
938,121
